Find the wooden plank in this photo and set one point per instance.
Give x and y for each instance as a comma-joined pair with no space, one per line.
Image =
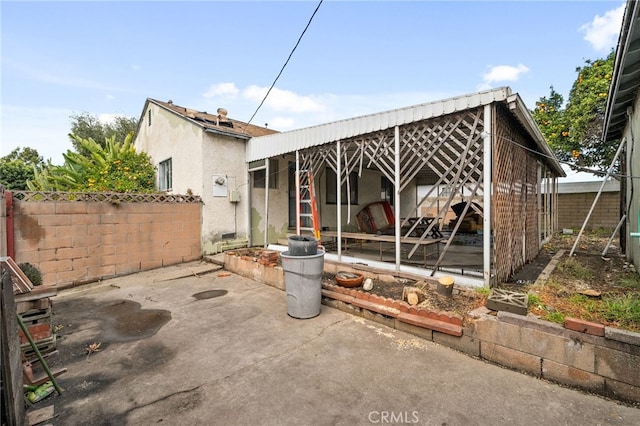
21,283
382,238
40,415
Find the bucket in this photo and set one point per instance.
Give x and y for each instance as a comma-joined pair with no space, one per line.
302,245
445,286
303,283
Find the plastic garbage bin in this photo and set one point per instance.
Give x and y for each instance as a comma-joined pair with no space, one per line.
303,283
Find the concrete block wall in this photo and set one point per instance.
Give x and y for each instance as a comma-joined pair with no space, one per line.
606,364
78,242
574,207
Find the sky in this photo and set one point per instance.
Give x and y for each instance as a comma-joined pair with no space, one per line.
105,58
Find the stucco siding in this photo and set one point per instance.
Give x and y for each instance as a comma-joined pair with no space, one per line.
632,131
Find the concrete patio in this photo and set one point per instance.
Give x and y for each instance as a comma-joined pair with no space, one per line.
196,345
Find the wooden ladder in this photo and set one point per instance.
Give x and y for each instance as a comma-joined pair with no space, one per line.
307,217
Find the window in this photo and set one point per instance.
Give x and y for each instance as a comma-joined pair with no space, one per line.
386,190
164,175
259,176
331,188
149,114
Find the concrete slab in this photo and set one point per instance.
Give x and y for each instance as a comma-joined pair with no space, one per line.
213,349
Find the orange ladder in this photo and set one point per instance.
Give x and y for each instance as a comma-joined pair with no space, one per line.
307,197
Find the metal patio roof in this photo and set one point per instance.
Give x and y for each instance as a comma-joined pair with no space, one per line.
267,146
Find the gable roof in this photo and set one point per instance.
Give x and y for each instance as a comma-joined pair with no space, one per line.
626,74
211,122
272,145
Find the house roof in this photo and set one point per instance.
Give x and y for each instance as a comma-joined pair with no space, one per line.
213,123
626,74
272,145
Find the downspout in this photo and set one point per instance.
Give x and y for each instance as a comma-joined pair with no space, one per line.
266,203
249,205
396,188
486,208
11,252
339,198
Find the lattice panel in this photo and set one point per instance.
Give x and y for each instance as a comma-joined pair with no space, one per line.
109,197
515,219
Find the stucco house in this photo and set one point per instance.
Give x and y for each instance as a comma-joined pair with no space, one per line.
470,168
622,124
203,154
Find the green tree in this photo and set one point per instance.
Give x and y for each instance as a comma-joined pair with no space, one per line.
87,126
574,133
18,167
116,167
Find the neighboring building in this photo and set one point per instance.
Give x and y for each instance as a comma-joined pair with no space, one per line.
203,154
622,123
575,200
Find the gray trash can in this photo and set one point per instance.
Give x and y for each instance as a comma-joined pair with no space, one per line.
303,283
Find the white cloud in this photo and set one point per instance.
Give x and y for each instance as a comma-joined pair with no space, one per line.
504,73
283,100
222,90
107,118
602,33
501,73
110,97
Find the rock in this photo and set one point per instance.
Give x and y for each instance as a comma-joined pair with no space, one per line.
412,299
368,284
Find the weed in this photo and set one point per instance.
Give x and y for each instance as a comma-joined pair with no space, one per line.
556,316
483,291
622,309
534,300
630,281
575,269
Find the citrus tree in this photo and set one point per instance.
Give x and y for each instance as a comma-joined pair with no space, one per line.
114,167
575,132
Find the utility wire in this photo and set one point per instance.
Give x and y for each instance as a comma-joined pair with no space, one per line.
286,62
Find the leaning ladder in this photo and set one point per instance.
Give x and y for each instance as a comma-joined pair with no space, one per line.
308,219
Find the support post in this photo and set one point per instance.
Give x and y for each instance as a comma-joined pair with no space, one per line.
298,211
396,189
487,189
266,203
595,201
339,197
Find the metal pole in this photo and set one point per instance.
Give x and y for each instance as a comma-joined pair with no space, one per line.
298,219
606,248
595,201
396,189
266,203
486,213
339,198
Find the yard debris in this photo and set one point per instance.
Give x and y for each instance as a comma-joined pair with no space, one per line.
591,293
91,348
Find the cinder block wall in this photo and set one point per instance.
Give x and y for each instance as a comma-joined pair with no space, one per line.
574,207
78,242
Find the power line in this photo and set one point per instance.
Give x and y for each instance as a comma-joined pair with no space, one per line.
286,62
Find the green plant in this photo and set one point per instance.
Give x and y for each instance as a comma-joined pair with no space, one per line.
575,269
556,316
621,309
631,280
483,291
32,272
533,301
